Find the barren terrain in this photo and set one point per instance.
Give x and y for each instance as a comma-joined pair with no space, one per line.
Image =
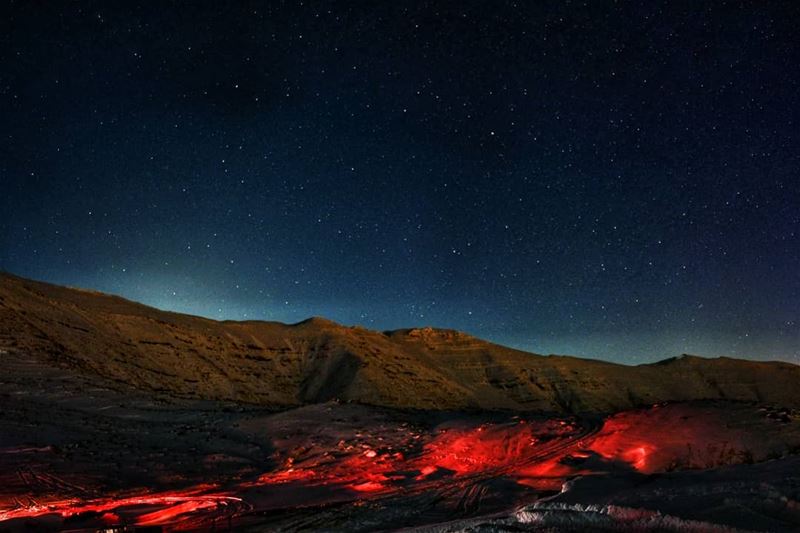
122,416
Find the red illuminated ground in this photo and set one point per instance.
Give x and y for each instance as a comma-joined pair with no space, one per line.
335,458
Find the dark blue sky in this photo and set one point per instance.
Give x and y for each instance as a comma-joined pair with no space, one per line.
615,180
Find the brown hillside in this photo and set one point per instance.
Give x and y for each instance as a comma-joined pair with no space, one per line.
279,365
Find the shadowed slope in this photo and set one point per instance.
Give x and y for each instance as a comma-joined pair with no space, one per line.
279,365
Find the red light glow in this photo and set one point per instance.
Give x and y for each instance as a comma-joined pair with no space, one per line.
536,454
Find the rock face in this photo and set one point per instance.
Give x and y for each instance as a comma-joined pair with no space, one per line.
279,365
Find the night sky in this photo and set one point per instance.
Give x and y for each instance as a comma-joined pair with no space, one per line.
614,180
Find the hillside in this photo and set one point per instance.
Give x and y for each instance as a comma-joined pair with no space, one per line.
278,365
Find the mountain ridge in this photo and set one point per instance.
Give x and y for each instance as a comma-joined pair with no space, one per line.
285,365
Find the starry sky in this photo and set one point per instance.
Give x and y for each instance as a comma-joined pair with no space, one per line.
618,180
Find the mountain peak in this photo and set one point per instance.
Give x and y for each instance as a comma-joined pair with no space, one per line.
318,321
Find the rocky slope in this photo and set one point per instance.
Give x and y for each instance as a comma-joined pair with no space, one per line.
279,365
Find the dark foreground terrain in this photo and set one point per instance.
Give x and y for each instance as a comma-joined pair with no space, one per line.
118,416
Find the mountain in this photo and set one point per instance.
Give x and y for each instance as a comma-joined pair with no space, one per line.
280,366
